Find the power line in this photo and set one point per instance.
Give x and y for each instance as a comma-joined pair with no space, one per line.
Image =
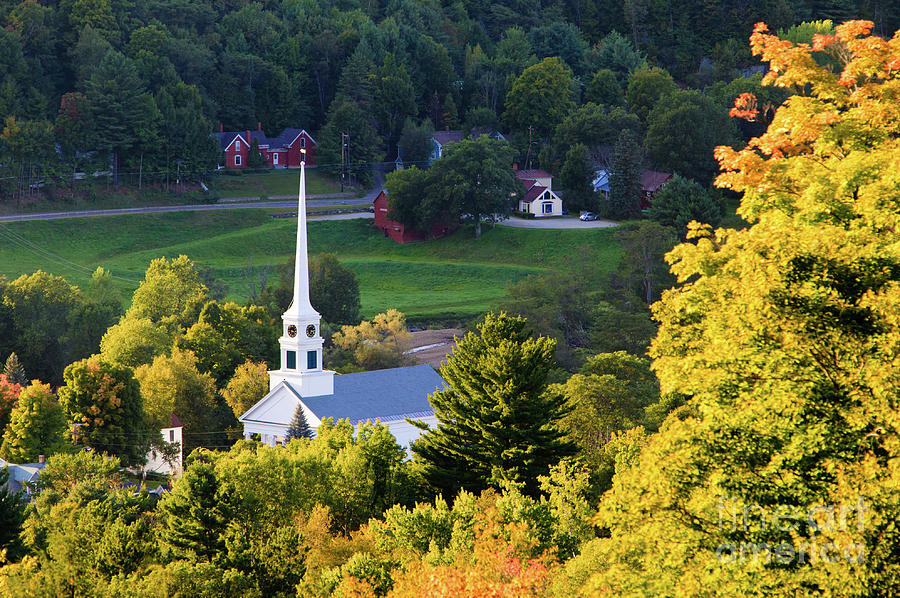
42,252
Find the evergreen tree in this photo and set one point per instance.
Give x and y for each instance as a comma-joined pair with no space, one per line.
196,514
36,426
254,157
12,515
299,427
625,178
14,370
496,419
121,107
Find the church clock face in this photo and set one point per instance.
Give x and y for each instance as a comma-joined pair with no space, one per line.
292,331
311,330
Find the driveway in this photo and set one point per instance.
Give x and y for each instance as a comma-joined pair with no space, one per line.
562,222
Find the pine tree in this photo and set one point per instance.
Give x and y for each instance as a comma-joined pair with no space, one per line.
299,427
14,370
625,178
496,418
12,515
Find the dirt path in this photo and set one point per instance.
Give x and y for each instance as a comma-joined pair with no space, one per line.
433,346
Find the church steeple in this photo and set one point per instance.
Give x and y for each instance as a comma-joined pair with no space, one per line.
301,341
300,306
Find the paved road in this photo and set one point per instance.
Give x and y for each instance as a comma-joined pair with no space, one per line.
564,222
281,201
188,208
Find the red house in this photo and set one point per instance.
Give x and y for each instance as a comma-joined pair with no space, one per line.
400,233
279,152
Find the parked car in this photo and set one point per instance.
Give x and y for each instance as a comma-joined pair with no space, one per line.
586,216
36,185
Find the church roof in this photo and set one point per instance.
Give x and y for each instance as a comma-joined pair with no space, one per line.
388,395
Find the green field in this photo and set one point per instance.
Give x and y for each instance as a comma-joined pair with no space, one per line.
273,183
454,277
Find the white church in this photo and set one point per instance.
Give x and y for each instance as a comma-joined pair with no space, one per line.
390,396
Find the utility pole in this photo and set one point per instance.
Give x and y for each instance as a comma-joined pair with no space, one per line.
349,169
342,160
528,155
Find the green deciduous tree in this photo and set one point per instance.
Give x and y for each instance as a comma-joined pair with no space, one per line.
683,129
135,341
175,385
36,426
646,88
170,292
476,181
775,426
497,419
333,289
39,306
415,144
372,345
681,201
540,97
604,89
105,400
645,245
249,384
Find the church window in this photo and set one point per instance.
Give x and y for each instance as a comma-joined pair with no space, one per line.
312,360
291,360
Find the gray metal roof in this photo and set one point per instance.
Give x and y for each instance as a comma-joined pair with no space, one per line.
387,395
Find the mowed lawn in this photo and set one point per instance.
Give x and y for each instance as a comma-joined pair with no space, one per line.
455,277
273,183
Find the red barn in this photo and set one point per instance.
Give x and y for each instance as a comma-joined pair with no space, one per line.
279,152
403,234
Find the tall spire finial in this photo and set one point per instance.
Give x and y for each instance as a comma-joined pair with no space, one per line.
301,306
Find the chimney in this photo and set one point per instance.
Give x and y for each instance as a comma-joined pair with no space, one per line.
248,137
258,126
221,128
515,166
41,458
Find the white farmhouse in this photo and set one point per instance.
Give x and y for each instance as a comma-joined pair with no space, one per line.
539,198
391,395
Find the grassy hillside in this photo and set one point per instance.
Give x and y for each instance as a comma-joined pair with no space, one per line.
457,276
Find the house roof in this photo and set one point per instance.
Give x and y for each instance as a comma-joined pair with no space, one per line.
533,174
20,474
282,141
174,422
534,193
226,137
445,137
388,395
651,180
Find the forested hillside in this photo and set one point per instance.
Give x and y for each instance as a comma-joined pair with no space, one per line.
97,85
